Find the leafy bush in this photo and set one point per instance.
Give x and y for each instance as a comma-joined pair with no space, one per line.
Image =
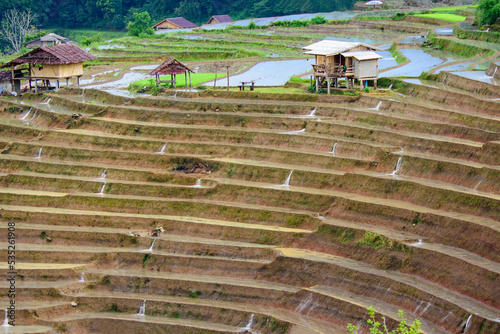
318,20
97,38
252,25
488,12
402,328
141,25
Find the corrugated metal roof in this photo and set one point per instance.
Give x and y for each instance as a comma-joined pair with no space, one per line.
179,21
362,55
330,48
222,18
53,55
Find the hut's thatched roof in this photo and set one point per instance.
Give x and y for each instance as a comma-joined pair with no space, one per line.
178,21
171,66
330,48
53,55
5,75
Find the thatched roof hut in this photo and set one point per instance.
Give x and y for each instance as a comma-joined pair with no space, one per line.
51,62
173,67
49,39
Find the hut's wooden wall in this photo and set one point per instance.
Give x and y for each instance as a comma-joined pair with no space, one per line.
167,25
57,71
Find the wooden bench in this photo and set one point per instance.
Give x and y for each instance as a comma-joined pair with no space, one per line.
243,83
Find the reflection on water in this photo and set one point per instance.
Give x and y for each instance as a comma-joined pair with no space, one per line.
479,76
420,61
270,73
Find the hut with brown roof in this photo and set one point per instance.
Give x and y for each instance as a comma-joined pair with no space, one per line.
220,19
46,63
173,67
174,23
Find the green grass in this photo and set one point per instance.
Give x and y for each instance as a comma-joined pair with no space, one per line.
196,79
450,9
77,35
444,16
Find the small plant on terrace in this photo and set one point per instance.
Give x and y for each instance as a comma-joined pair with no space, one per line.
381,328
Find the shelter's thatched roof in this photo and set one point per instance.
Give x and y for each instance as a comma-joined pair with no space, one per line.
331,48
178,21
222,18
5,75
53,55
171,66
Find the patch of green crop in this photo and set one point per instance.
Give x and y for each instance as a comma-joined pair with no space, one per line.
444,16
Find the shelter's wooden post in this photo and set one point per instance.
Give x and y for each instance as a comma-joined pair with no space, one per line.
375,84
185,78
215,80
189,73
328,85
175,80
78,81
317,83
360,84
67,82
36,86
57,85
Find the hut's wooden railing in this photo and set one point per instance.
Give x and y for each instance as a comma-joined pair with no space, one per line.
332,71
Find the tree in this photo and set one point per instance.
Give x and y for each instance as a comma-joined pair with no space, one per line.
378,328
15,26
488,12
140,24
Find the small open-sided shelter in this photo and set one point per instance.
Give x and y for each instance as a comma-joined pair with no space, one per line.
49,39
348,60
174,23
220,19
173,67
46,63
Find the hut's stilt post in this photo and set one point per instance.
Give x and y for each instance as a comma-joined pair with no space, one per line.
215,80
185,78
67,82
78,81
317,83
189,73
328,85
57,85
175,80
375,84
36,86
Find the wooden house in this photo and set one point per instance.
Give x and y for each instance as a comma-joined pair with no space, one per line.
49,39
173,67
220,19
174,23
349,60
47,63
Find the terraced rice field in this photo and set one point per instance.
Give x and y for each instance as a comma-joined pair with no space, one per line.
278,216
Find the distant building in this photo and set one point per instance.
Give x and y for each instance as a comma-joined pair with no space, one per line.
49,39
220,19
56,62
174,23
348,60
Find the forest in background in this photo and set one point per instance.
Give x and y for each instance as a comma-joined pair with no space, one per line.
115,14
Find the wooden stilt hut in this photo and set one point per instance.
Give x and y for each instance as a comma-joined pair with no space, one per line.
173,67
57,62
